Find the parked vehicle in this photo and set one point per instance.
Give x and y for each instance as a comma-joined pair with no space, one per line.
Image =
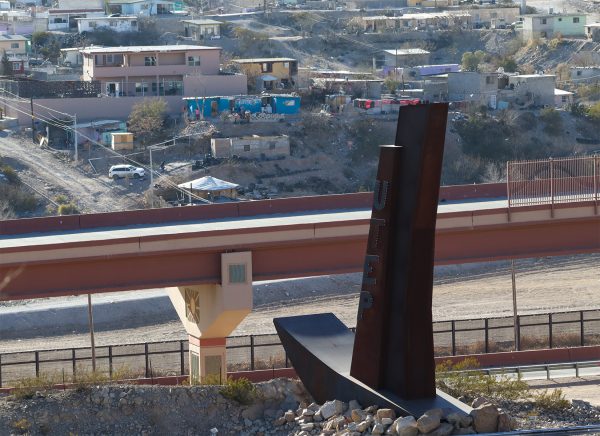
120,171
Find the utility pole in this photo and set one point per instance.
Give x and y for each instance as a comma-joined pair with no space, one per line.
91,322
76,139
151,172
514,296
396,69
32,121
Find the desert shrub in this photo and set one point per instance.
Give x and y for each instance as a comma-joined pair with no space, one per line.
21,425
553,400
61,199
241,390
10,174
20,201
67,209
26,388
552,121
526,121
594,112
464,379
485,137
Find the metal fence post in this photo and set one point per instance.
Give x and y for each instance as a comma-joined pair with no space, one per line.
110,361
487,335
181,358
74,362
550,329
508,188
547,372
146,357
453,338
551,188
0,370
37,363
581,328
251,352
518,344
577,369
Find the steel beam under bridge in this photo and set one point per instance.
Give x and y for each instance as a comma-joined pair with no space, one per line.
289,243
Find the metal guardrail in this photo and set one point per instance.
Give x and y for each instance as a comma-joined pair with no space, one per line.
265,351
547,368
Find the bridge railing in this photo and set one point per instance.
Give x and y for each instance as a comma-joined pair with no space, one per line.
455,337
553,181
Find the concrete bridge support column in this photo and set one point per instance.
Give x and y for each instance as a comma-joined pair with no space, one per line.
211,312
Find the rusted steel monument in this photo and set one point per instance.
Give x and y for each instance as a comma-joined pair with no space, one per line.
389,361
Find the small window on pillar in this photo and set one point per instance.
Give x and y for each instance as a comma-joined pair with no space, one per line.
237,273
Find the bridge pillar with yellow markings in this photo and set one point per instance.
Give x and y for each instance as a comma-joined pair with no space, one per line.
211,312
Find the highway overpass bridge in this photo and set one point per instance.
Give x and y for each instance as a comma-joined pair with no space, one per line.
208,256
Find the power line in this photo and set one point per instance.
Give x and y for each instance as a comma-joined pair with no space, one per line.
160,176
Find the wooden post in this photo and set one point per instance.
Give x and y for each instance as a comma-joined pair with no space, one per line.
514,295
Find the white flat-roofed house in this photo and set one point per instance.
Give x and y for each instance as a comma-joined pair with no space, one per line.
140,7
160,70
562,98
200,29
406,57
117,24
592,31
66,19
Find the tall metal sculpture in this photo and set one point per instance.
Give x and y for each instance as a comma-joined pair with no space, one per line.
389,361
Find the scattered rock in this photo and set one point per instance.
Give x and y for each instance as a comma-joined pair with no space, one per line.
485,418
405,426
429,421
331,408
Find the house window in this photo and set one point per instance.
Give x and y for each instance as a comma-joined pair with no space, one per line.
488,80
576,19
194,61
543,21
92,24
246,147
134,23
559,19
579,73
194,367
14,45
271,146
150,61
16,66
113,23
109,59
267,67
237,272
564,98
141,88
286,65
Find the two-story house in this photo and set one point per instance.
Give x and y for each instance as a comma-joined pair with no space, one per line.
160,70
472,86
549,25
13,44
270,73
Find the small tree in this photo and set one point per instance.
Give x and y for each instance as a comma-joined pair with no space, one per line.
471,61
391,84
594,112
147,118
508,64
6,65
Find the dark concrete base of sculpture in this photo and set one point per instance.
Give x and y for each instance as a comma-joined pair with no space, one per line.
320,348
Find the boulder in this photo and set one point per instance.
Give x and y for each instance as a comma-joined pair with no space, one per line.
378,429
429,421
331,408
459,420
405,426
505,422
479,401
358,415
444,429
485,418
386,413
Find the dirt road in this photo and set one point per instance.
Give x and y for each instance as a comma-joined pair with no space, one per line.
50,173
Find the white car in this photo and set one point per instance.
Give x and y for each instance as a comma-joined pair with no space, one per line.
118,171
